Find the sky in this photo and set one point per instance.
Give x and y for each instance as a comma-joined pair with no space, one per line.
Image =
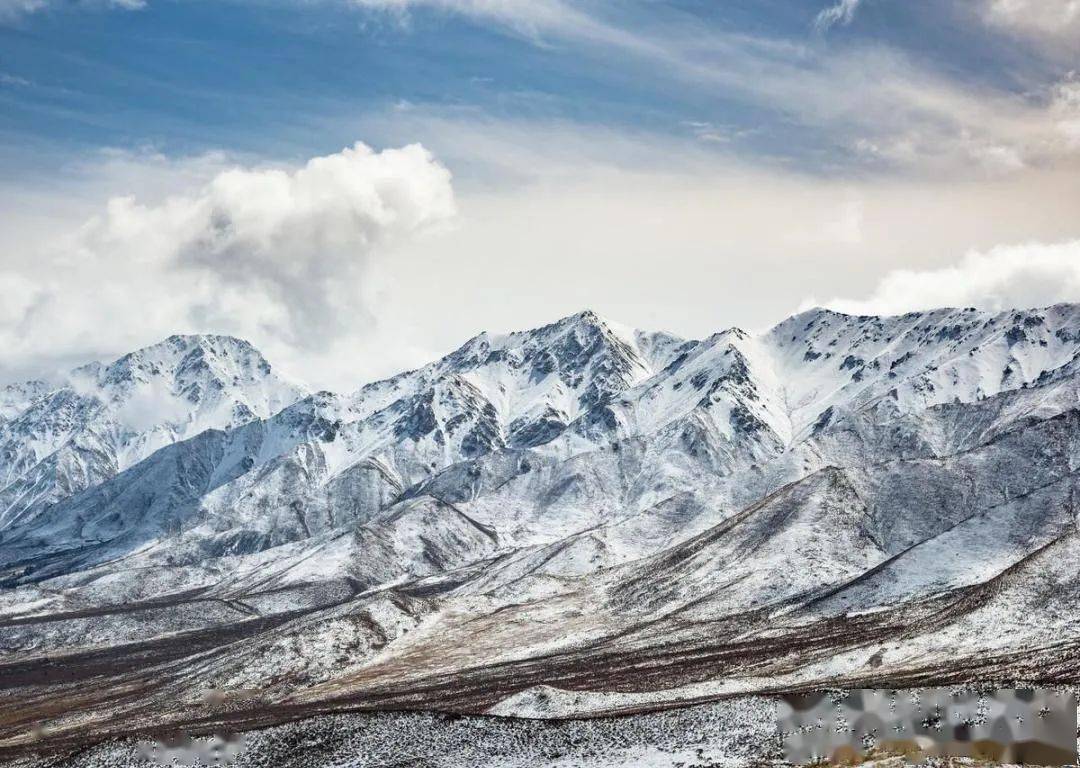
358,186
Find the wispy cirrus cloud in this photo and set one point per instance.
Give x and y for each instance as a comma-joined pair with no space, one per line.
531,18
1049,20
890,109
6,78
1053,20
842,12
11,10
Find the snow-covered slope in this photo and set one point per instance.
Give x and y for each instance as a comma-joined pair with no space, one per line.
920,359
105,418
580,503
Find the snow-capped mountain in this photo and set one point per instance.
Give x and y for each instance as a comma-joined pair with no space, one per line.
579,507
57,441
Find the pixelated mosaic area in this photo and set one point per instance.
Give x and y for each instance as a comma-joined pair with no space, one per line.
1022,726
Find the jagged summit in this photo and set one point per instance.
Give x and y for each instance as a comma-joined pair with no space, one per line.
532,380
108,416
920,358
178,355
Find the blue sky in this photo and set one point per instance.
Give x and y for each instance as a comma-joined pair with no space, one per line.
187,76
190,76
674,163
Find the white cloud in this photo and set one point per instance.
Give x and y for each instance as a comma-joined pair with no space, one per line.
280,256
10,9
1065,109
14,80
19,294
1029,275
531,18
842,12
14,9
1046,19
150,404
1053,20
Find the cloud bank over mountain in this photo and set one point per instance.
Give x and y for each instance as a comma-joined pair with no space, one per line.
271,252
1027,275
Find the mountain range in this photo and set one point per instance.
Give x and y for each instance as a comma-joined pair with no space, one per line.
579,519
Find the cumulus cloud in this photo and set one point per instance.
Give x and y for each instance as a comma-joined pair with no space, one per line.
277,255
842,12
1030,275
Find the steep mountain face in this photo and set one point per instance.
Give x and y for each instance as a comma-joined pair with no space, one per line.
920,359
14,398
580,506
56,442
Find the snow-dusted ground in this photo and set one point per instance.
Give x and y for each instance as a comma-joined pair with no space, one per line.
731,734
740,732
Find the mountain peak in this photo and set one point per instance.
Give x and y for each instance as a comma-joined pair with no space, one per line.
586,316
181,344
588,319
225,357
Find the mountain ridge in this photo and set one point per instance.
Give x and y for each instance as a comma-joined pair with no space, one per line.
560,506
